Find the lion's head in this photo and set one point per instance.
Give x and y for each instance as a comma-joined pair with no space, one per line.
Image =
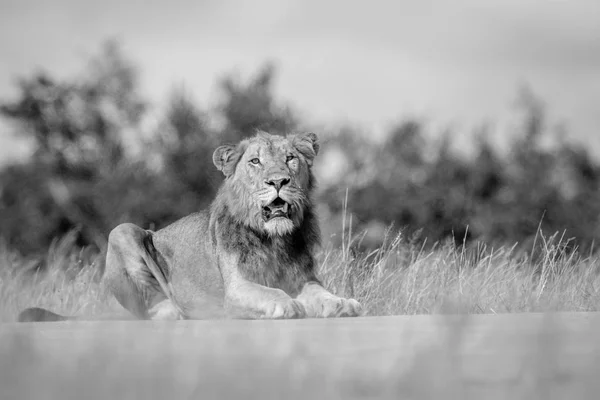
268,180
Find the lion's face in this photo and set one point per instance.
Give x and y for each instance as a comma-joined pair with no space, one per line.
269,180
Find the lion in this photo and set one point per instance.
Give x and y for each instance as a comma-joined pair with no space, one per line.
249,255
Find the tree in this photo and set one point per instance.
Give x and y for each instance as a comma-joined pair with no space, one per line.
80,129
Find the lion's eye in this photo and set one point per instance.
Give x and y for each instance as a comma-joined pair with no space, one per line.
289,158
255,161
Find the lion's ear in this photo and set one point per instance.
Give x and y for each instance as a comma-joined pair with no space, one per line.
226,158
307,144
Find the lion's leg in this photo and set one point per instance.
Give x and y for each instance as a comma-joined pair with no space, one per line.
244,299
319,302
128,277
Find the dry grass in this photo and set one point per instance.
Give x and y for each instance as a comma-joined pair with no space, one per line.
68,284
400,277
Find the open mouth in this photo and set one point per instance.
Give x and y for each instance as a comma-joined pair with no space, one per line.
277,209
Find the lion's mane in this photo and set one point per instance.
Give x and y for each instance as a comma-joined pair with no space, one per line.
236,214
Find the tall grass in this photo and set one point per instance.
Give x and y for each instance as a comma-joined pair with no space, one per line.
66,280
400,277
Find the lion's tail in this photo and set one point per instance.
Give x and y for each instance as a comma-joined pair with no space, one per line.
36,314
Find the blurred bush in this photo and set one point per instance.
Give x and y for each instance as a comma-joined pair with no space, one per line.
416,182
95,166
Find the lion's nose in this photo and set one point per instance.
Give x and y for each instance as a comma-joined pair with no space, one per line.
278,181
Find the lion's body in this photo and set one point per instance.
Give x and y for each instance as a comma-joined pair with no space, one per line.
250,255
182,245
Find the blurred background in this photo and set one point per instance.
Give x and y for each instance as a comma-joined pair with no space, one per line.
466,121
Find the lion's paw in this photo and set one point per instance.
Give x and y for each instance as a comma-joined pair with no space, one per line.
165,311
339,307
284,309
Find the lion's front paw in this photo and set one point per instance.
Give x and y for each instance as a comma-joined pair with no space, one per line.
339,307
284,309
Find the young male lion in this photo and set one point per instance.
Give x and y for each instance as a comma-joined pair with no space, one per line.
249,256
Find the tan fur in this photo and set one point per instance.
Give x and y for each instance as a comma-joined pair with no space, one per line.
249,256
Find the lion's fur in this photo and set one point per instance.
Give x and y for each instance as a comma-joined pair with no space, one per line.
289,259
232,257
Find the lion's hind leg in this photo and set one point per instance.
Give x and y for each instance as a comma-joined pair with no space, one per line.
131,280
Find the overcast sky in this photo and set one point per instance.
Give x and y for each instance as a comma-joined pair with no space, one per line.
458,61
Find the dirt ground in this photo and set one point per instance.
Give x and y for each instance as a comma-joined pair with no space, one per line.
452,357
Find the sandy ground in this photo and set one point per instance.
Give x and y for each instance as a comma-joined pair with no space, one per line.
452,357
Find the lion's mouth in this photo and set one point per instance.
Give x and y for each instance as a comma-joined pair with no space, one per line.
277,209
